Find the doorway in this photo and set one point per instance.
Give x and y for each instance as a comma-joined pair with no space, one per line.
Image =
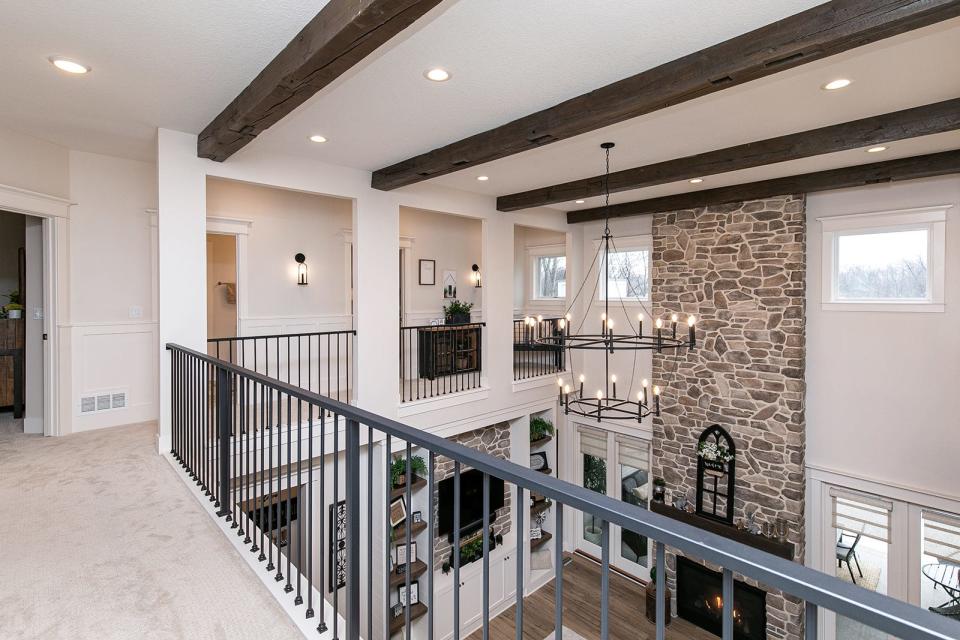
618,466
221,286
21,324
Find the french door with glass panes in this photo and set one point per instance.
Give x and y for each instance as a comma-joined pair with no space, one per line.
618,466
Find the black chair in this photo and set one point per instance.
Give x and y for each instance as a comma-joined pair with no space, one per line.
848,551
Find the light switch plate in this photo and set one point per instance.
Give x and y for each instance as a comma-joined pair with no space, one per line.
135,312
38,313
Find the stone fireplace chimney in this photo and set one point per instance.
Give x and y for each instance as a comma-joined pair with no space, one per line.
741,269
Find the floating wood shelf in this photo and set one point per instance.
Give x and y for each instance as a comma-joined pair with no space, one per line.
416,570
540,506
402,490
539,443
544,538
400,531
770,545
416,611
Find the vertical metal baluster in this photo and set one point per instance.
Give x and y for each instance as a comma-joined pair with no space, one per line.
727,604
455,552
288,359
223,429
352,497
241,478
309,363
521,507
388,492
300,509
329,352
407,534
209,442
309,613
235,446
558,582
370,532
431,482
322,627
271,525
261,511
337,367
810,620
251,460
190,417
289,519
486,556
604,580
661,591
336,497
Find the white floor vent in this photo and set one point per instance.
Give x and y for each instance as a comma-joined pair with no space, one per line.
104,401
88,404
119,400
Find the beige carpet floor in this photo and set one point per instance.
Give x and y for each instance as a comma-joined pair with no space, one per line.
99,539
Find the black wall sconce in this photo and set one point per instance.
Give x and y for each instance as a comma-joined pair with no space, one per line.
477,278
301,268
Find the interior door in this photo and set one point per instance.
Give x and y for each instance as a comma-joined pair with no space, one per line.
592,473
631,551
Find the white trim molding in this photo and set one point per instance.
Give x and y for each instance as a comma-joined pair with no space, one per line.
932,219
34,203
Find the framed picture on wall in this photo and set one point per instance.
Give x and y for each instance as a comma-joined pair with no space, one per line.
414,594
538,461
398,512
428,272
449,285
405,554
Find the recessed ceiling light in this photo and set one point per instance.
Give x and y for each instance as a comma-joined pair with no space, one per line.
482,178
876,149
578,201
833,85
317,139
696,180
70,66
437,74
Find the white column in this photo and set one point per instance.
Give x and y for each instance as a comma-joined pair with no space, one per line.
376,246
181,253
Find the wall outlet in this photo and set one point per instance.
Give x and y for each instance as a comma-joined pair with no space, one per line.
38,313
135,312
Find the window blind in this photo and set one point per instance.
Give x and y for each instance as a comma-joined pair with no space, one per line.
863,514
633,453
941,536
593,442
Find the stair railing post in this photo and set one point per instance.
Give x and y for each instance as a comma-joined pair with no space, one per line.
353,529
224,424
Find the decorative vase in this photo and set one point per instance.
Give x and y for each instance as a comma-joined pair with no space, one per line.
659,493
592,534
651,593
14,314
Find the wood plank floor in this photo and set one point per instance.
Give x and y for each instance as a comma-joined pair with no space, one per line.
581,610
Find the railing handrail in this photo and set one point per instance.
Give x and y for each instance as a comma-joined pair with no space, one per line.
876,610
440,326
543,319
283,335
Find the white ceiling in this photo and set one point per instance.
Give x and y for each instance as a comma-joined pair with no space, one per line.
177,63
173,63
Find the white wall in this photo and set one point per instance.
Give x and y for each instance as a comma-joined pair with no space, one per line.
111,318
882,400
524,239
282,224
454,242
33,164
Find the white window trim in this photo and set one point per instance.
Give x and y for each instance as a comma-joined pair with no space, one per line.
932,218
625,243
540,251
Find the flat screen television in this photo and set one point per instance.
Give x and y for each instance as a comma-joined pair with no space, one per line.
471,502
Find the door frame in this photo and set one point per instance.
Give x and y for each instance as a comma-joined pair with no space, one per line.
240,229
54,213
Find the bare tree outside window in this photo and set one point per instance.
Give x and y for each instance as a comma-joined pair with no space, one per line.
629,275
551,277
883,266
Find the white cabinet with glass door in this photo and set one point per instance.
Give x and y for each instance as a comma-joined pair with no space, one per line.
618,466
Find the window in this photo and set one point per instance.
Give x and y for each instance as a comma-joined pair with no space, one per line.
884,261
550,274
629,275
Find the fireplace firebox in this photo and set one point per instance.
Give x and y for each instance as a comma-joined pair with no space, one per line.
700,601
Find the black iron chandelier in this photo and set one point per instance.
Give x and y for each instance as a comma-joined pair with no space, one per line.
606,404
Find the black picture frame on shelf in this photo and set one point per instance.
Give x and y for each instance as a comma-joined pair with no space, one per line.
404,554
396,610
417,517
538,461
414,594
398,512
428,272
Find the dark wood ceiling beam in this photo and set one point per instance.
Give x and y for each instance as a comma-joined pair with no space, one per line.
819,32
899,125
342,34
926,166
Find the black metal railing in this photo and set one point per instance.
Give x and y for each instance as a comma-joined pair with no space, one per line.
319,361
532,358
235,434
436,360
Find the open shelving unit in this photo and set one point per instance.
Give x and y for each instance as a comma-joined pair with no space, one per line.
418,531
541,507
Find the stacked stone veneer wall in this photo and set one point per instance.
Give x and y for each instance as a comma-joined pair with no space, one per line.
494,440
741,270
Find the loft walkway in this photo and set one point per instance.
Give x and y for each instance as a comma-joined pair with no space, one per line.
102,541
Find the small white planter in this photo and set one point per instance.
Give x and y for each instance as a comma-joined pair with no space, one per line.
15,314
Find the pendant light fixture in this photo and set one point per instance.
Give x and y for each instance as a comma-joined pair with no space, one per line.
606,403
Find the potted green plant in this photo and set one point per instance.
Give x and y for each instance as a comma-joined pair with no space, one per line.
14,309
398,470
540,428
651,597
457,312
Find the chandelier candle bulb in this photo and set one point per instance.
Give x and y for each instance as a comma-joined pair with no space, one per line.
659,325
613,379
692,330
656,400
644,384
640,324
582,378
673,324
640,403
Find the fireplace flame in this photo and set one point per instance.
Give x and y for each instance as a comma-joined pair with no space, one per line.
716,604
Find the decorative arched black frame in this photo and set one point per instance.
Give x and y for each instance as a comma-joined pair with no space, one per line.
713,475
